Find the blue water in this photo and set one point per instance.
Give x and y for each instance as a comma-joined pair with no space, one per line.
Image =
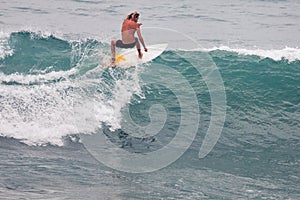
219,109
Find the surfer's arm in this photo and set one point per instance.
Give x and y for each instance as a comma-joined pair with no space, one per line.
141,38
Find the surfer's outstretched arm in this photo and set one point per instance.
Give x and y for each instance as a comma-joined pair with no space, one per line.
141,39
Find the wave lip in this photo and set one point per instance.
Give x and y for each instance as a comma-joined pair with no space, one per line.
289,53
5,50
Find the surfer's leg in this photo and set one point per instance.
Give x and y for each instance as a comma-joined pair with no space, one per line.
138,47
113,51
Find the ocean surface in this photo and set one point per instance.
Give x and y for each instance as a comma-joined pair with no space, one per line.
215,116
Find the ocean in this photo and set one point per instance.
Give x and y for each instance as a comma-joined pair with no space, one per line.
215,116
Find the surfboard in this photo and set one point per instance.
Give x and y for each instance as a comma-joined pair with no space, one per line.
129,57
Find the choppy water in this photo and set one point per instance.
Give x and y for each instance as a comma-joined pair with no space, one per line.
237,62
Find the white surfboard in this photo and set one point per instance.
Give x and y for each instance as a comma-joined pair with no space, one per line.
129,57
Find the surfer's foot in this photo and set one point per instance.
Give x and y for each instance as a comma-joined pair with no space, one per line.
113,62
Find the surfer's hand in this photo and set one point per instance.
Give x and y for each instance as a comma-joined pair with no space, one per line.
140,24
146,50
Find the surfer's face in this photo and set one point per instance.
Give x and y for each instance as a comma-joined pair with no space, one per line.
135,19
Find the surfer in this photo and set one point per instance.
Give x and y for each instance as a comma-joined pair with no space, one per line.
129,27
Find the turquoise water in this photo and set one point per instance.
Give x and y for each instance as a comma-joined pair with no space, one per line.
57,99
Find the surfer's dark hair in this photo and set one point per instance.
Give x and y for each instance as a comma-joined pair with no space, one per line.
133,15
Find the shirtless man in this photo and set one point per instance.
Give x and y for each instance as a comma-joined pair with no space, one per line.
129,27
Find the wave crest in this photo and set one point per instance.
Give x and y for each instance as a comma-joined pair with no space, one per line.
291,54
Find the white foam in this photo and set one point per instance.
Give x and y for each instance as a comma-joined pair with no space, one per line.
122,94
5,50
36,114
44,113
36,78
291,54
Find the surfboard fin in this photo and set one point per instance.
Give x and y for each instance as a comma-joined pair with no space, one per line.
120,58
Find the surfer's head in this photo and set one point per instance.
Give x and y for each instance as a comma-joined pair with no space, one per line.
133,16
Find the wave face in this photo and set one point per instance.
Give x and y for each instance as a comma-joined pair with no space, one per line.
53,89
44,79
